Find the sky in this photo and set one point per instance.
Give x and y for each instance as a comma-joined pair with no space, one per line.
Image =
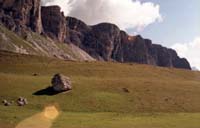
179,29
181,22
172,23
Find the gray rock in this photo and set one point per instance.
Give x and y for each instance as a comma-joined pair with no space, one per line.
25,101
22,101
125,90
61,83
6,103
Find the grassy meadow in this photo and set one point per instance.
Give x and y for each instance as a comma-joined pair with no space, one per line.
156,98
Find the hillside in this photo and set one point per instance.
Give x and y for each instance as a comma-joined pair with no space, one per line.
35,44
156,97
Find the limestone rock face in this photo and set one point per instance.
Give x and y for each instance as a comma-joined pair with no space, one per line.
78,31
105,37
21,14
61,83
54,23
143,51
107,42
96,40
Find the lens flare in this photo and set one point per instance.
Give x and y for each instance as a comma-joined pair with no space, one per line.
51,112
41,120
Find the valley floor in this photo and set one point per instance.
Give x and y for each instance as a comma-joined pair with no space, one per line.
156,97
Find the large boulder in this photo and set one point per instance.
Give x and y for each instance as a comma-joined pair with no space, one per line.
61,83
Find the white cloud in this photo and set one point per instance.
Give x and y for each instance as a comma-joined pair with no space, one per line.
124,13
191,51
64,4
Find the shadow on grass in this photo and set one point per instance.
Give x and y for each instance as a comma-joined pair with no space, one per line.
49,91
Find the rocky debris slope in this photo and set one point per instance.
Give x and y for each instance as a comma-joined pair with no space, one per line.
35,44
103,41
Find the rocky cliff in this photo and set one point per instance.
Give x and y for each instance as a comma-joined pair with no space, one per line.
54,24
18,15
103,41
107,42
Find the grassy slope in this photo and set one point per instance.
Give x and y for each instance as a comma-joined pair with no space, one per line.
158,98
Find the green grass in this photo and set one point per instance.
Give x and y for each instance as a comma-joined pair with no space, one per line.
157,98
116,120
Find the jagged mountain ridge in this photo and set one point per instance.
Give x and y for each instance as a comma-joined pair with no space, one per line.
103,41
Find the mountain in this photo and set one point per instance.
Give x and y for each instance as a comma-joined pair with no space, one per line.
104,42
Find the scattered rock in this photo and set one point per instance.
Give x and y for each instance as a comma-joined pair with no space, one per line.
6,103
35,74
147,90
125,90
61,83
25,101
22,101
166,99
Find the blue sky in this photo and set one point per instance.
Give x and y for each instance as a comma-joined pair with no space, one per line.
181,22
